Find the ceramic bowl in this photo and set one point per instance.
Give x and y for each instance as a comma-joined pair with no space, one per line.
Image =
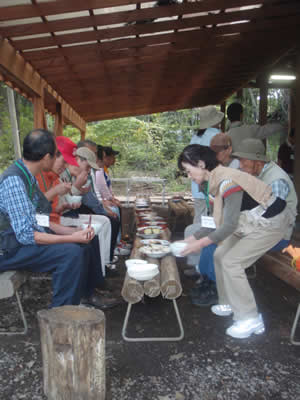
177,248
132,262
73,199
143,272
149,232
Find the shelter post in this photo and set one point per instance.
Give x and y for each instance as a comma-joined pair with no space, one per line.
263,103
82,135
59,121
296,119
223,109
13,122
39,113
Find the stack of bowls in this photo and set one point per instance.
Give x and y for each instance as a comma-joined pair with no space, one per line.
141,270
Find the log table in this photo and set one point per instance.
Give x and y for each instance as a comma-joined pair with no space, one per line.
167,283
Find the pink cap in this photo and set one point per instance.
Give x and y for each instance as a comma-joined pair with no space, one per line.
67,149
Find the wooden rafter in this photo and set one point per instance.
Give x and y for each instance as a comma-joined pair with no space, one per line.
121,57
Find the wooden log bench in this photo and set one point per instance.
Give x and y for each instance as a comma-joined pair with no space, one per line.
10,282
167,283
279,264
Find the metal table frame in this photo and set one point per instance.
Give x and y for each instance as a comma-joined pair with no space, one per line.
152,339
294,327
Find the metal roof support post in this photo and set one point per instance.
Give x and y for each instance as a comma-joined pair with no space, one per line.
13,122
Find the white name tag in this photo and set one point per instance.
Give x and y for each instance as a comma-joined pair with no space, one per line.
42,220
208,222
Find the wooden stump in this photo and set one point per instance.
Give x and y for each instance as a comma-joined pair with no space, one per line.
73,350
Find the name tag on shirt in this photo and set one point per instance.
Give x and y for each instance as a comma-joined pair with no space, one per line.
208,222
43,220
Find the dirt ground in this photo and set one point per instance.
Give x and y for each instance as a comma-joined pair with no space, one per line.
205,365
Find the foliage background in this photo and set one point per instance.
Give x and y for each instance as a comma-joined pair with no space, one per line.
149,145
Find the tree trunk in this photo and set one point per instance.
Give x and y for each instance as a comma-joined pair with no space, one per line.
73,350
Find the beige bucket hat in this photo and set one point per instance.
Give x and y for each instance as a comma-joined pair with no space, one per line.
86,153
209,116
251,149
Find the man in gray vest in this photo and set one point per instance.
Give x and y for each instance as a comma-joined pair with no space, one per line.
255,236
253,159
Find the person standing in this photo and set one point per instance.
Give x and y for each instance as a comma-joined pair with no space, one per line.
238,131
209,124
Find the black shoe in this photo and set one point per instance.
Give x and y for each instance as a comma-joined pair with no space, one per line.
111,273
191,273
207,298
200,287
104,287
103,303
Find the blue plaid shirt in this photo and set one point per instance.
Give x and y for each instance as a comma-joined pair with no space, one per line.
280,187
16,204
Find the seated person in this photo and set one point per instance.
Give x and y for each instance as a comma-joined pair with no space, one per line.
104,193
264,221
87,160
28,241
54,190
221,144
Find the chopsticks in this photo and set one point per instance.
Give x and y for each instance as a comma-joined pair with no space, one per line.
89,225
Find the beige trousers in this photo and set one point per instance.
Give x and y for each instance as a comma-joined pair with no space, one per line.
104,236
252,239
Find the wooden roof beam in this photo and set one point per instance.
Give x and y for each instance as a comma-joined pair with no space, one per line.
139,29
22,72
122,17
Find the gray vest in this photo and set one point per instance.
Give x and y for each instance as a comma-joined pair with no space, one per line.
273,173
8,239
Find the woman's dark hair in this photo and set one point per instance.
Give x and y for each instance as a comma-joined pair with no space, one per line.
37,144
200,132
194,153
100,152
85,143
234,112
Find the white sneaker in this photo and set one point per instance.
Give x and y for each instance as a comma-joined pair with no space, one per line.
244,328
223,310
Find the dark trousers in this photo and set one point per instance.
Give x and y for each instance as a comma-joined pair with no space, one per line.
74,267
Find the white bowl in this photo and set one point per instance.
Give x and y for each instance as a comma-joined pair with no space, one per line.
96,227
154,252
177,248
73,199
143,272
134,261
140,232
155,241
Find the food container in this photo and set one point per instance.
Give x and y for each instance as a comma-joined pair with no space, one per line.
149,232
177,248
143,272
